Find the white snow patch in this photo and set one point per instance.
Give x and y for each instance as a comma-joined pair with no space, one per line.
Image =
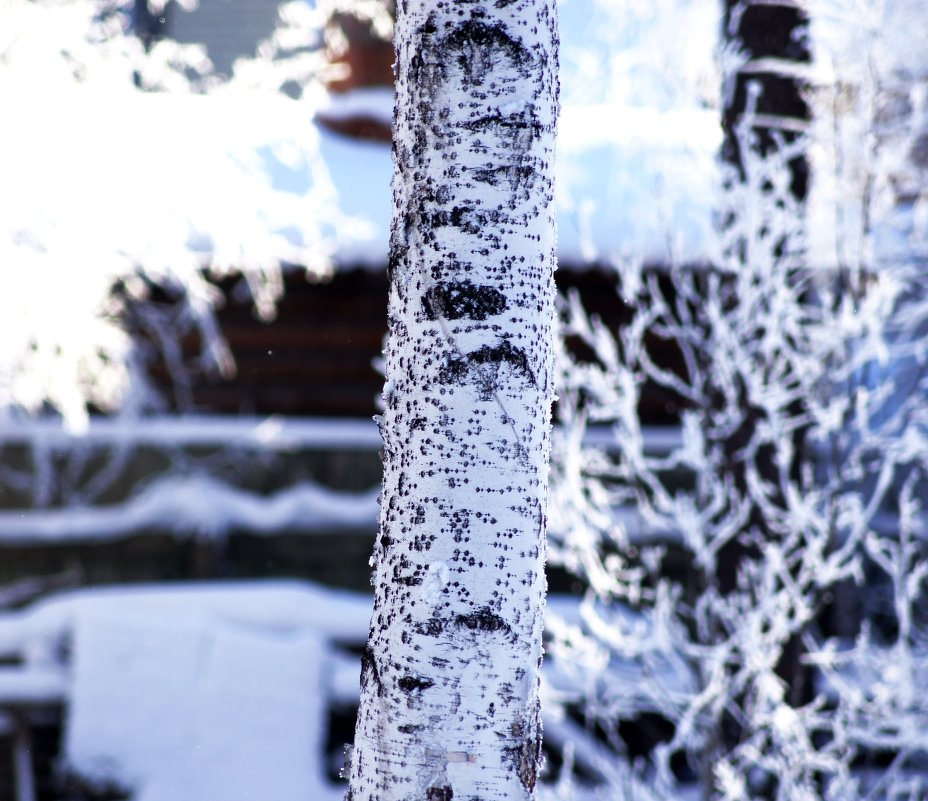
436,580
194,692
244,179
191,708
186,695
107,181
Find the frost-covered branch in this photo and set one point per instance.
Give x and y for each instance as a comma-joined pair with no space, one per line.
768,609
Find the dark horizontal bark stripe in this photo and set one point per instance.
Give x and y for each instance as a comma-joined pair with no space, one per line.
458,369
411,684
483,620
456,300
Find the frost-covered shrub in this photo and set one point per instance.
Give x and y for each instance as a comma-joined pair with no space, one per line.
751,625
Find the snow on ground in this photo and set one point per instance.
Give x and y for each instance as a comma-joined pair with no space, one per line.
194,693
214,692
191,708
209,692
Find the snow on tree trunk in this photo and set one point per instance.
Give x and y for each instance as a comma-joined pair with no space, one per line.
449,698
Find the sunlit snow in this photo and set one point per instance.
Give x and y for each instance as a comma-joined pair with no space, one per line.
101,180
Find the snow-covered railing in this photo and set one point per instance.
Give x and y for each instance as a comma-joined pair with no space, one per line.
196,506
275,433
203,506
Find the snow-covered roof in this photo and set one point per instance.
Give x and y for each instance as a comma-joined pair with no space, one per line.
246,179
97,170
100,180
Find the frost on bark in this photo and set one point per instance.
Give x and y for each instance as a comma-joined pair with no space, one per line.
449,698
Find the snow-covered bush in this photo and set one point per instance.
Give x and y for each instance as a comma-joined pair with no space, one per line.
756,632
137,180
129,165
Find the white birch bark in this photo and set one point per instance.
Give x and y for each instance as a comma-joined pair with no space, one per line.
449,698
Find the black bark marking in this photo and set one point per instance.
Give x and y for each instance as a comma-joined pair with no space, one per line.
497,354
429,27
516,175
411,684
456,300
482,620
431,627
422,542
369,670
457,369
444,793
402,574
497,122
526,756
454,371
464,218
478,47
409,728
529,757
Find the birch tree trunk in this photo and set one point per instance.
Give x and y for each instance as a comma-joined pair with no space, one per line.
449,679
765,93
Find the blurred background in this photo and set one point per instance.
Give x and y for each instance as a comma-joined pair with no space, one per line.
194,220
